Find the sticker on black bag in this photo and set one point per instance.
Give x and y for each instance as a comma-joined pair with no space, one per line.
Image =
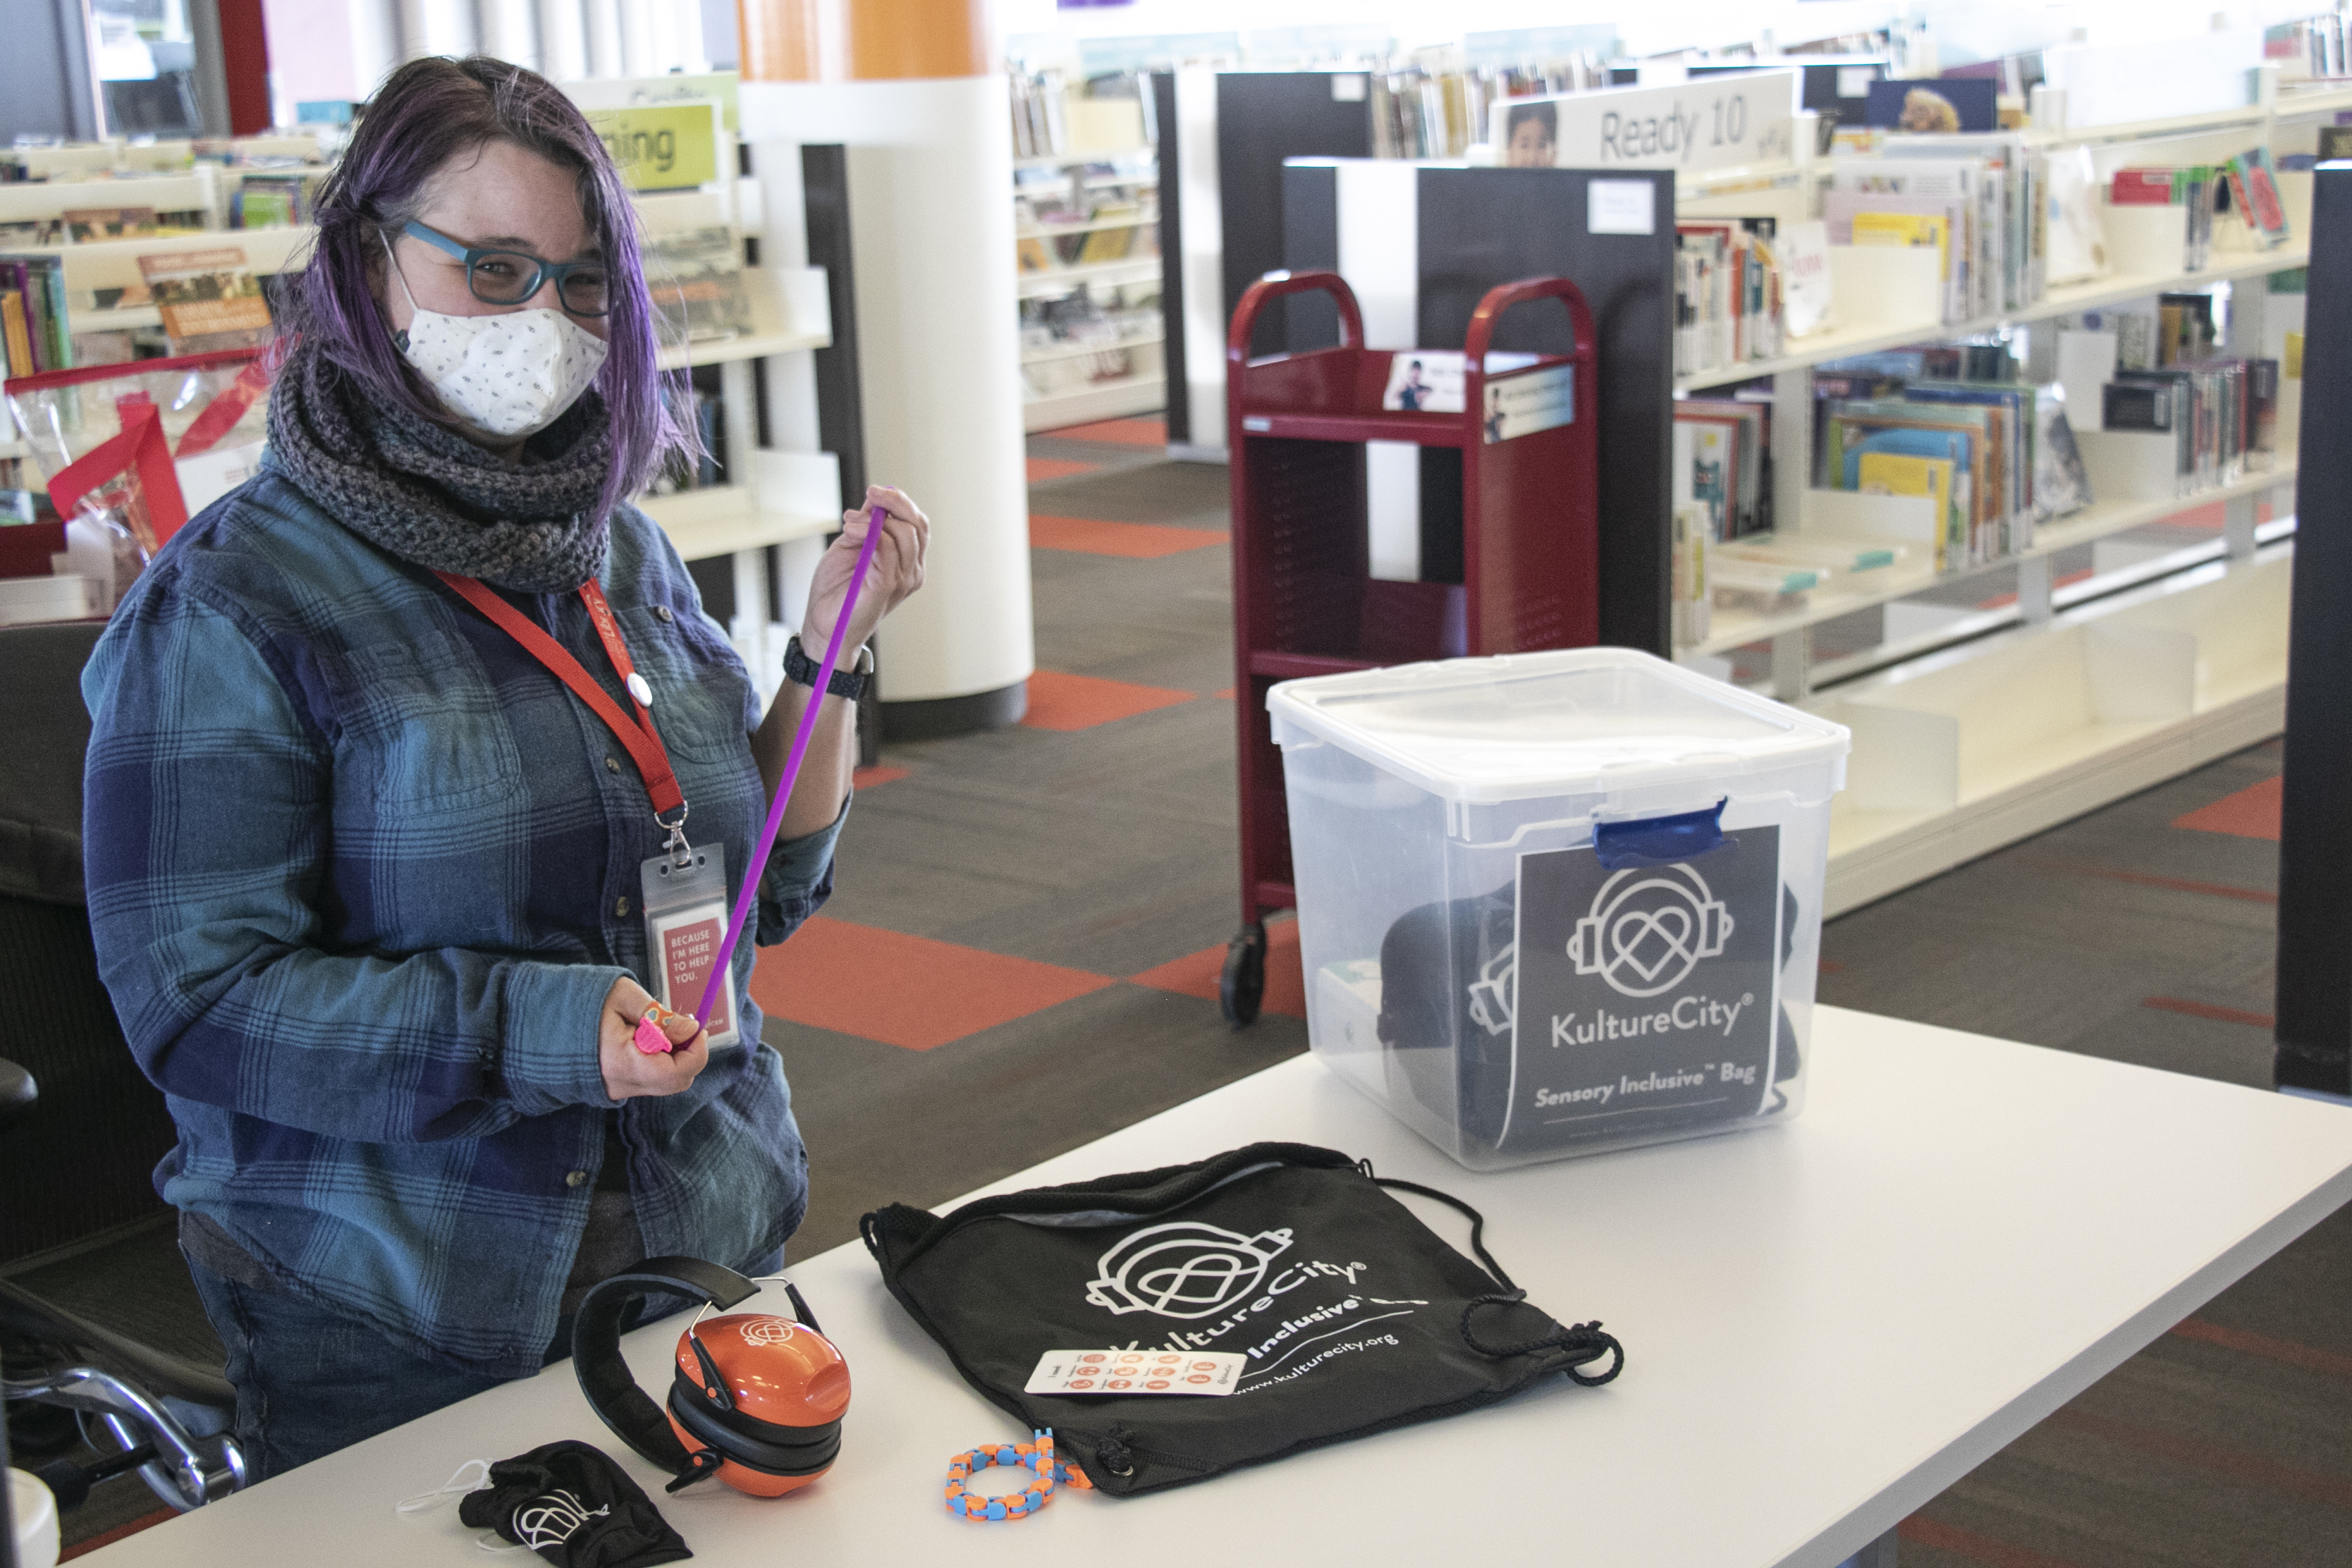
1646,992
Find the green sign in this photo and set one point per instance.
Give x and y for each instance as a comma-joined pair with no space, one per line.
660,146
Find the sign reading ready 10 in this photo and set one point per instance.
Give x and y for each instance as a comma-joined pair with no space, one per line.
1714,122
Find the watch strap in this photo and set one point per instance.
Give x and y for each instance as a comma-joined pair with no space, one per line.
801,669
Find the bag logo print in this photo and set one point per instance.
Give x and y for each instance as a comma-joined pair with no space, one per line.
1182,1269
1494,995
1648,929
555,1517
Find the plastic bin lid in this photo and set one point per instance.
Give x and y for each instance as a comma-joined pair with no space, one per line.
1574,721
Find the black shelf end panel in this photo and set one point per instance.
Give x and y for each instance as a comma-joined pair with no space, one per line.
2315,906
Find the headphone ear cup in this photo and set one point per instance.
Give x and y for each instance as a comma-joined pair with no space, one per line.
756,1445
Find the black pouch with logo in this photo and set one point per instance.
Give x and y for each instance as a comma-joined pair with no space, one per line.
571,1504
1354,1315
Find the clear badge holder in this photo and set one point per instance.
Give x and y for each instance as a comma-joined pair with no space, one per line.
685,902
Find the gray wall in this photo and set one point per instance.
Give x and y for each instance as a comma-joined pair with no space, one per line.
45,72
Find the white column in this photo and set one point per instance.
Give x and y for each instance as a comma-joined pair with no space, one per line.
510,32
932,231
639,55
435,28
693,49
604,17
375,44
562,40
1204,259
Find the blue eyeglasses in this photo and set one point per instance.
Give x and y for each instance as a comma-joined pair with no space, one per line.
511,276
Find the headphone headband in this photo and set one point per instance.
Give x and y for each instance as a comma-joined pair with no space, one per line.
605,1377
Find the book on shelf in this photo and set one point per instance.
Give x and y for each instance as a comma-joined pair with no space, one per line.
1730,296
15,334
1889,473
1706,469
84,225
1693,595
2062,485
36,285
2253,194
696,278
1955,189
2075,246
2189,188
1868,435
1884,217
2011,184
270,201
1742,494
209,300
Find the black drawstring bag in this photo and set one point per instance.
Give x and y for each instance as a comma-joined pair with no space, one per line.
1355,1317
572,1505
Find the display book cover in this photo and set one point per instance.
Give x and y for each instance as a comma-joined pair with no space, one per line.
1739,491
1925,431
1597,1002
2000,497
1891,218
2015,434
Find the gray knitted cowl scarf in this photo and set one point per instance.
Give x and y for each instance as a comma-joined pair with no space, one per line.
430,496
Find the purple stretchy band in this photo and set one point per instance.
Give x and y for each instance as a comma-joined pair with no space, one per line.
752,873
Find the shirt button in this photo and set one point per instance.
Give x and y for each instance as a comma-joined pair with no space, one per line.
612,765
620,906
575,1178
661,610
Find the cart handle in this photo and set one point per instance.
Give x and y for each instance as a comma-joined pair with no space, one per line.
1503,296
1272,286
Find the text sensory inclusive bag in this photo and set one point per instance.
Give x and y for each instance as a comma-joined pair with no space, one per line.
1352,1316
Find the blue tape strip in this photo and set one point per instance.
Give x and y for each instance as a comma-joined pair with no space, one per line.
1659,840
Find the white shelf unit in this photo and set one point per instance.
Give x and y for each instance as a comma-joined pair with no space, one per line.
1958,755
1978,726
1058,391
201,189
1844,342
114,264
774,499
1061,280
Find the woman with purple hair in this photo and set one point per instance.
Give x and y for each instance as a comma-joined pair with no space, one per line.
389,745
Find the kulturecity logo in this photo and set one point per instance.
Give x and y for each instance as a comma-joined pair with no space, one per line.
1649,928
1182,1269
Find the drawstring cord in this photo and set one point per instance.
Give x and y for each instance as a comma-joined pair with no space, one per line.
1584,1341
473,1475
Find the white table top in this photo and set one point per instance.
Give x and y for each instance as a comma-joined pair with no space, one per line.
1826,1324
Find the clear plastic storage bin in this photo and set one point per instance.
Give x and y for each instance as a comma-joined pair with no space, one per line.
1554,903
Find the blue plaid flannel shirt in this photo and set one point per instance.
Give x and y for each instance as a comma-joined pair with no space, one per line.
361,872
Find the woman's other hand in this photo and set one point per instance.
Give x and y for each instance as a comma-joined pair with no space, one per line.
630,1072
896,572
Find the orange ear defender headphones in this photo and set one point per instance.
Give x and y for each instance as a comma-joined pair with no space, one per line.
754,1399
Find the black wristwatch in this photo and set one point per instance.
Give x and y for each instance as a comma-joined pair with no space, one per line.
800,670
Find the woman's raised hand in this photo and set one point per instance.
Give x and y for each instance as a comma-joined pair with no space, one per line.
896,572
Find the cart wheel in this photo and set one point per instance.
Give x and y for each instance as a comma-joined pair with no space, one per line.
1242,985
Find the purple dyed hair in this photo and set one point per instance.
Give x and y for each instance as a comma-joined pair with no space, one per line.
427,112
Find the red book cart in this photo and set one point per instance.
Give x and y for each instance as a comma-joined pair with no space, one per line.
1305,601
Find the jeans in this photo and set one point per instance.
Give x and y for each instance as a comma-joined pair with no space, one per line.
310,1380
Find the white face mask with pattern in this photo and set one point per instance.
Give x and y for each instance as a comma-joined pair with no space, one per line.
508,375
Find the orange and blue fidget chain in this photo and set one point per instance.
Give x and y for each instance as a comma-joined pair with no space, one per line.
1037,1456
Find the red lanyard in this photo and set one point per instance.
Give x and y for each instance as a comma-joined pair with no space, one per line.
639,736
